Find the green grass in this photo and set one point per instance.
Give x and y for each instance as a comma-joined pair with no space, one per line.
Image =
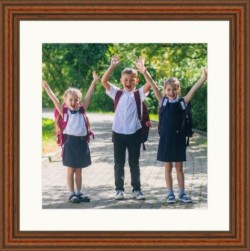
48,127
153,117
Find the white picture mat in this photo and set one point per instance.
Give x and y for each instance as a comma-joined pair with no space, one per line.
33,34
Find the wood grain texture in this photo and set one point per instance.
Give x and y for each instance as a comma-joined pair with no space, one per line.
237,13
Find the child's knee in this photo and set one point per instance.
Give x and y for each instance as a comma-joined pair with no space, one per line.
168,166
179,169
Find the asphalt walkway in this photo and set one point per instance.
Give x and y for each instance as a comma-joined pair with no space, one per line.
98,179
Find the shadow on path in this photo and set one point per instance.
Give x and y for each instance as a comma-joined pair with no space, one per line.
98,179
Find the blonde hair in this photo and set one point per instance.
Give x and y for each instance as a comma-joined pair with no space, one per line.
72,91
129,71
173,82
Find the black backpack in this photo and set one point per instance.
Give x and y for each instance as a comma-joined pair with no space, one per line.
142,116
187,119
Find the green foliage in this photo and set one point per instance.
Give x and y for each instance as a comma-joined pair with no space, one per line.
199,107
66,65
100,101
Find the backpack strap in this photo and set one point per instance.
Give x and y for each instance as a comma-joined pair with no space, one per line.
164,104
139,109
183,106
162,108
137,101
82,111
138,104
61,123
65,117
86,121
165,101
117,98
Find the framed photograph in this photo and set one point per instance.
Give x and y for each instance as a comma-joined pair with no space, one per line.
223,26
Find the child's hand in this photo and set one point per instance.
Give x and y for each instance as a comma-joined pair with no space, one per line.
45,85
95,77
57,128
140,65
115,60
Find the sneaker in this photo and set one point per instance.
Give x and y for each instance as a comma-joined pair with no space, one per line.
184,198
138,195
171,199
119,195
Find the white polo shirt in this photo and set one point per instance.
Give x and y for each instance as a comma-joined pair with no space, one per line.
126,117
76,125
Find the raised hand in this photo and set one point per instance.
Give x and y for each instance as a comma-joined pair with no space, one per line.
95,77
140,65
115,60
196,86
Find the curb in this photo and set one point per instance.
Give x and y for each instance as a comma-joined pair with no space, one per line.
200,132
50,156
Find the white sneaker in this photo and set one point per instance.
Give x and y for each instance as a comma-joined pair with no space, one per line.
119,195
138,195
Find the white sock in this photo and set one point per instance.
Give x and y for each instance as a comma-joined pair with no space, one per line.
72,193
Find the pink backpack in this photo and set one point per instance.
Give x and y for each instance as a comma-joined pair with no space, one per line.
61,123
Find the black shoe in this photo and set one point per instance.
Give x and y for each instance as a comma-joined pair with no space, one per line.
83,198
74,199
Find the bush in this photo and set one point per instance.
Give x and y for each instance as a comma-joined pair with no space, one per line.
199,108
48,128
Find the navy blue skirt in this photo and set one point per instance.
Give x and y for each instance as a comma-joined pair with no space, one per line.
76,152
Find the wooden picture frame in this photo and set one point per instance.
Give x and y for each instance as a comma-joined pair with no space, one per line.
237,12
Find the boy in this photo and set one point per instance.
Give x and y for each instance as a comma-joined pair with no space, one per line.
126,126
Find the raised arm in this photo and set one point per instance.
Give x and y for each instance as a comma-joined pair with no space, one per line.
90,90
196,86
53,97
149,81
105,78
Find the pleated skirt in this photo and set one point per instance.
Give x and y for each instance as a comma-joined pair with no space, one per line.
76,152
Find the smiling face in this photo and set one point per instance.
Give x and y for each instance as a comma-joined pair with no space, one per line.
129,79
72,98
170,91
172,88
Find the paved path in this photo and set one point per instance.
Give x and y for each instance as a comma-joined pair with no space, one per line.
98,179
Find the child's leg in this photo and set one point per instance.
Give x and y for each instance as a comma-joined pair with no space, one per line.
134,145
119,157
70,179
168,177
78,179
180,175
181,182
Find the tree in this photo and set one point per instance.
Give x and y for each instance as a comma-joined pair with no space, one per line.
66,65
